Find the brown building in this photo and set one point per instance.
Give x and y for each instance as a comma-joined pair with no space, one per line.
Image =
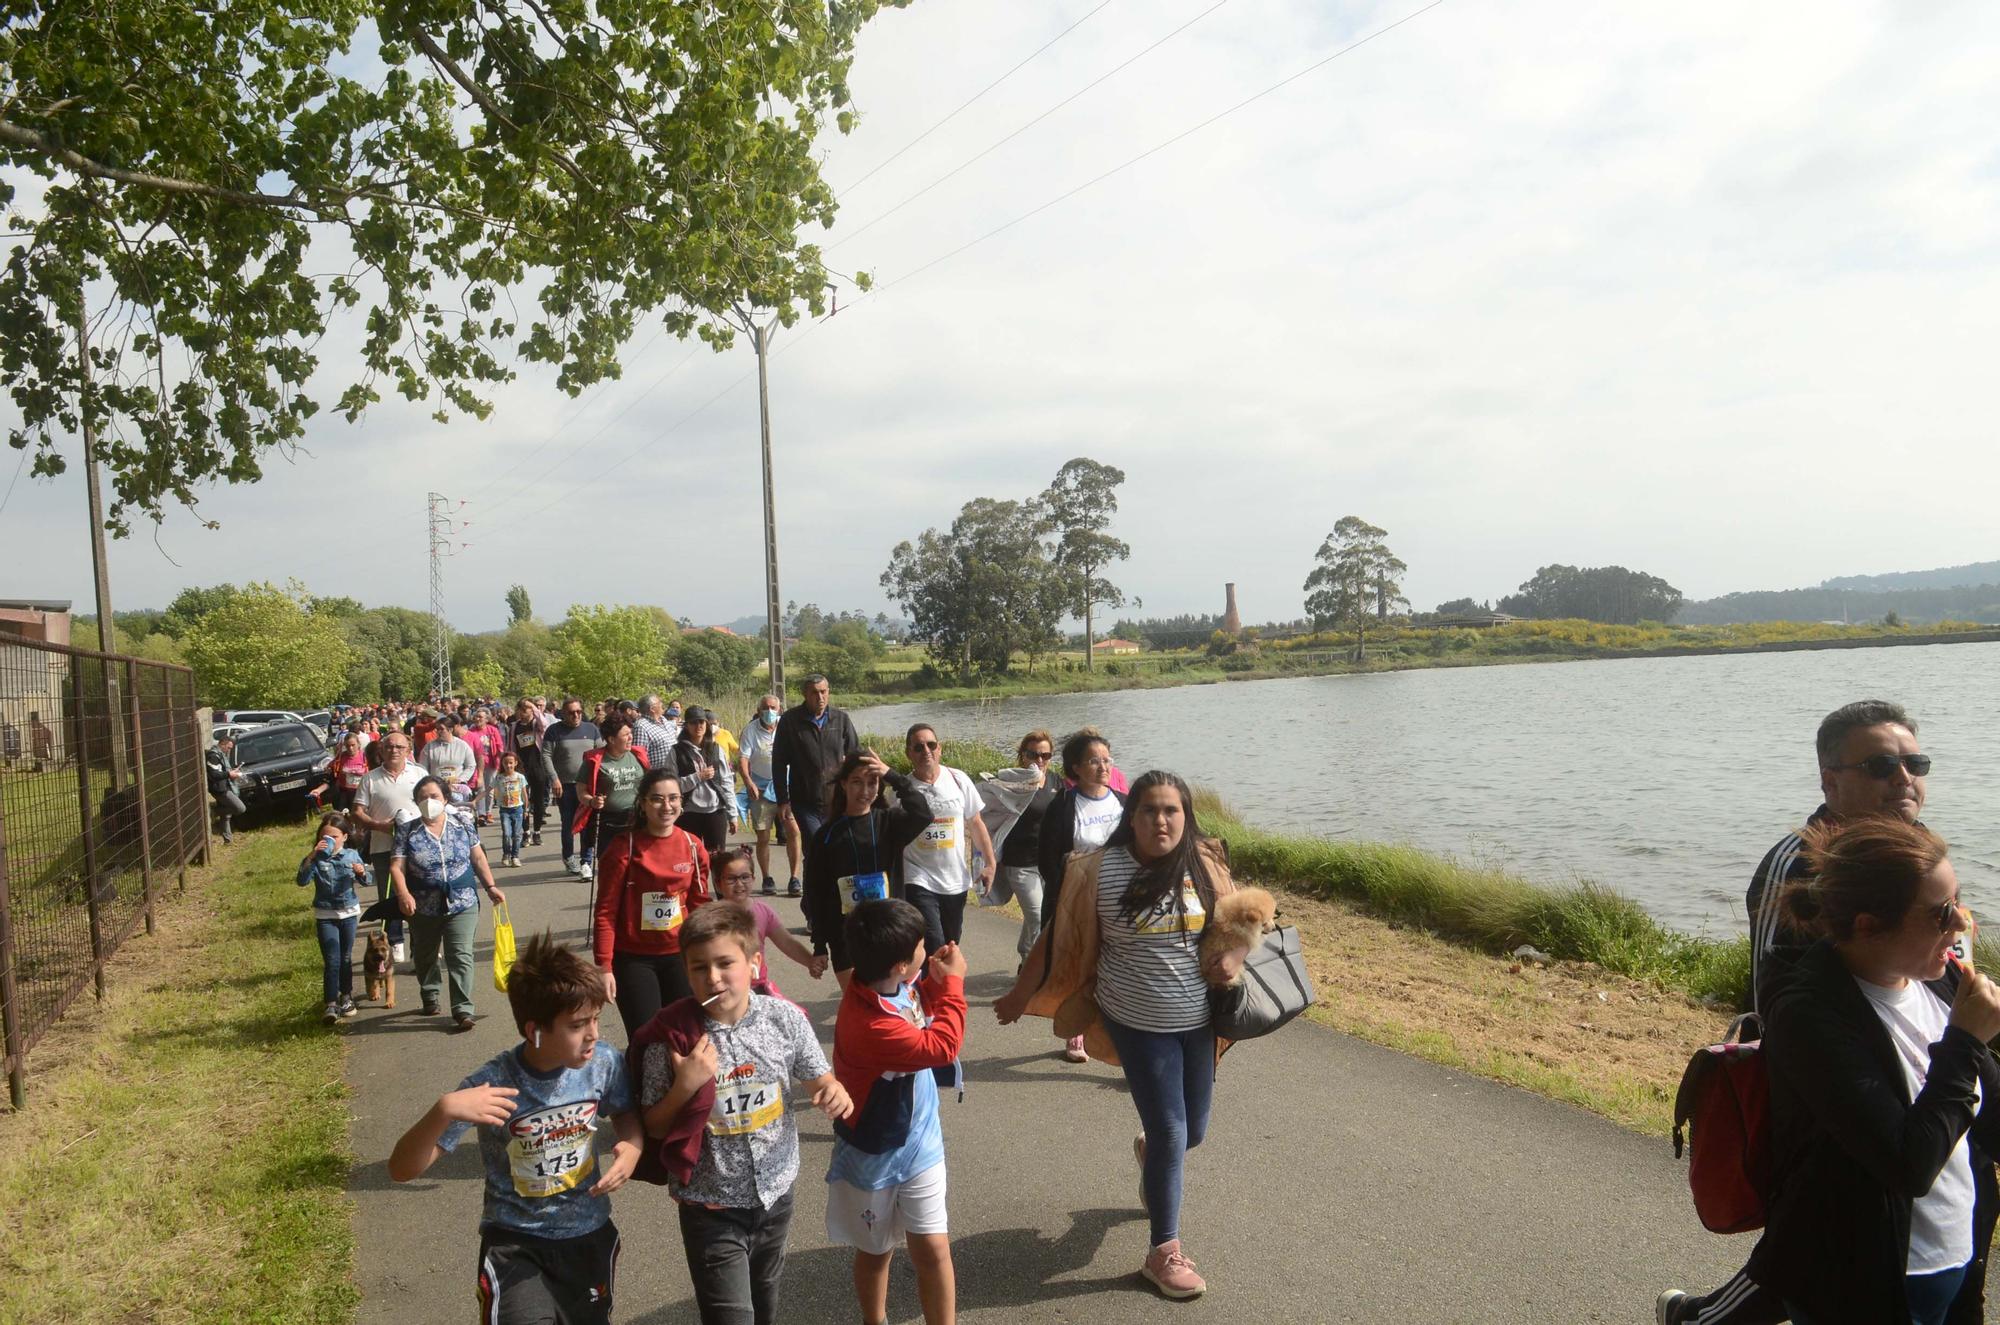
1232,622
45,620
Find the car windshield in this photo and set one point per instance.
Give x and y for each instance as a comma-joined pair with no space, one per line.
254,747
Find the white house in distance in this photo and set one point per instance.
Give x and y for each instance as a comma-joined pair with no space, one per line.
1110,646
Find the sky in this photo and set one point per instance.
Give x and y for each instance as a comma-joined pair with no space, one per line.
1706,291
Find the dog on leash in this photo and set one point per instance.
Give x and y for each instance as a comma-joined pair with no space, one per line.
380,971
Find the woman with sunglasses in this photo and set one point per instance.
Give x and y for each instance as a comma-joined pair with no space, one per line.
954,851
1883,1143
1020,850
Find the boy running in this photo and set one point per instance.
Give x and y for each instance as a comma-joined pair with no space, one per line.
547,1247
713,1069
887,1179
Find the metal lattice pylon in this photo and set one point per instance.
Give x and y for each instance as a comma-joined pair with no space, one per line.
441,535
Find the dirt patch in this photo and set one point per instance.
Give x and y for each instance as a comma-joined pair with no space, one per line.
1569,1029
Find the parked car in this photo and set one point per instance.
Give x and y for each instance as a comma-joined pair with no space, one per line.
321,721
282,762
222,729
254,717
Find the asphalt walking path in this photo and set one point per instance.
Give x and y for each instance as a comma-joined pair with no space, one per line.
1339,1182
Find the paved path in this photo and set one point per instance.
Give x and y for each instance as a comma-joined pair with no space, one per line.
1340,1181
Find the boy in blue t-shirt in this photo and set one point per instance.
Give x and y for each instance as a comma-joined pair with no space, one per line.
890,1037
547,1247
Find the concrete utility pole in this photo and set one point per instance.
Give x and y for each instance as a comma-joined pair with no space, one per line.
107,637
773,626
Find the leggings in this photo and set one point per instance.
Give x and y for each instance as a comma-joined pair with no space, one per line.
1172,1076
646,984
537,774
944,915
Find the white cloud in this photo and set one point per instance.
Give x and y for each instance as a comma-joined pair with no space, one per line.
1682,287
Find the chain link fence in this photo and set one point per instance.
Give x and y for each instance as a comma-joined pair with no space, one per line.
103,801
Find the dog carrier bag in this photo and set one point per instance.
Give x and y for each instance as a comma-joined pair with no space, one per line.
1275,988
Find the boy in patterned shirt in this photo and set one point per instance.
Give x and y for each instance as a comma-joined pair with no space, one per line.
547,1247
742,1047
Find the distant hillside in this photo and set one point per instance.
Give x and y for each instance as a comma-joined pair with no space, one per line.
1980,602
1948,577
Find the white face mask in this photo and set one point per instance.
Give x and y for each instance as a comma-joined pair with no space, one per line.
432,809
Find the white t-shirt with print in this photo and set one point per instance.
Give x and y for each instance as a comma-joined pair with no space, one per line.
940,858
1940,1219
384,795
1095,819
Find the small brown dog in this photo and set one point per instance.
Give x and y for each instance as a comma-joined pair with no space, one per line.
1237,925
381,972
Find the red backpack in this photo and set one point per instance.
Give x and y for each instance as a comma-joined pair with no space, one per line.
1725,1097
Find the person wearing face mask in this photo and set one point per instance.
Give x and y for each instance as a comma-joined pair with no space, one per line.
1870,762
438,868
1885,1100
755,767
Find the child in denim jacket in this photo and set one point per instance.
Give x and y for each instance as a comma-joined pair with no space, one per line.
333,869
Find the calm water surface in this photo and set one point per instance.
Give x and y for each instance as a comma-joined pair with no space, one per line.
1667,778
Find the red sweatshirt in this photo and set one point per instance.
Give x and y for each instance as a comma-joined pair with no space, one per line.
877,1051
643,897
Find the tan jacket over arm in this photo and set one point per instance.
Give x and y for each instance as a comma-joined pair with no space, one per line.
1069,994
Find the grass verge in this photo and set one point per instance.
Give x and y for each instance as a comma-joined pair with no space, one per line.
183,1156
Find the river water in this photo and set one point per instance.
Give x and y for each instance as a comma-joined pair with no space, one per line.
1666,778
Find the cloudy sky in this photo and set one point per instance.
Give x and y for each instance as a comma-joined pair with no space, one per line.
1709,291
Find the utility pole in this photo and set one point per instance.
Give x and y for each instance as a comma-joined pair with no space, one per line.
441,533
107,638
773,627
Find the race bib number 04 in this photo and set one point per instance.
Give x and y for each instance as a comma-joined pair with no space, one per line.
659,912
858,888
549,1151
744,1105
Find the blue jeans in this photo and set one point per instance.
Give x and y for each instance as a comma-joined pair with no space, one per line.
512,821
336,956
1930,1297
1172,1077
566,809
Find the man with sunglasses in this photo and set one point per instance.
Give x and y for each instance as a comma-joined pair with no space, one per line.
1869,763
569,741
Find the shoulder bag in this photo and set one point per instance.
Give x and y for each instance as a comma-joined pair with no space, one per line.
1274,989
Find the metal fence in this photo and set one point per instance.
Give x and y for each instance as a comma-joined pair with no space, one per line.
102,800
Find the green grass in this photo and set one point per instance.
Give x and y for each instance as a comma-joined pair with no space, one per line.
183,1156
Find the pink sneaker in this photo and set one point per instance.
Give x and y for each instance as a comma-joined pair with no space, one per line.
1172,1273
1074,1050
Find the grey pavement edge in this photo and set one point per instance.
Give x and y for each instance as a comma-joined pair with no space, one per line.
1339,1181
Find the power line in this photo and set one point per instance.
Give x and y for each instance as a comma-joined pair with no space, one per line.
879,166
19,465
1160,147
974,160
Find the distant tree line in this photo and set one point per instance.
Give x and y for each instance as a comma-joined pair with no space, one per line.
1979,602
1610,594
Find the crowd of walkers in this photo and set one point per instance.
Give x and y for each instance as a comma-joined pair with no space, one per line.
1882,1198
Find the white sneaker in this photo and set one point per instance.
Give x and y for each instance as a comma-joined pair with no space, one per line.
398,953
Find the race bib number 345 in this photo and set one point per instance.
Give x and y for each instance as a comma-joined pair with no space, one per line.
549,1151
941,835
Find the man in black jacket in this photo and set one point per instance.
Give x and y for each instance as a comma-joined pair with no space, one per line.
812,739
1869,763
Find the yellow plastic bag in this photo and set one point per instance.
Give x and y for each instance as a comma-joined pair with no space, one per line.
503,945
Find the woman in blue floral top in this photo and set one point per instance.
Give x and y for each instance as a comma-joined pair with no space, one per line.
438,867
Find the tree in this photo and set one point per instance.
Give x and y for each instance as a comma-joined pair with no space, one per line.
191,605
983,591
486,680
264,648
1594,593
715,661
391,658
519,609
510,179
1461,607
1355,576
524,651
1079,505
611,651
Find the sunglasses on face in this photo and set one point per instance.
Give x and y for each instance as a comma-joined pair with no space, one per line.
924,745
1882,767
1952,918
1039,756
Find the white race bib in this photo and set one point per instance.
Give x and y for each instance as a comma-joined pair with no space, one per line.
550,1150
659,912
858,888
940,835
1165,919
745,1104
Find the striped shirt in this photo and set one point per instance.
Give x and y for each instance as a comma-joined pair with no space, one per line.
1768,929
1149,966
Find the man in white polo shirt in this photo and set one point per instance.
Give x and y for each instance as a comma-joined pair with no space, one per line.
384,799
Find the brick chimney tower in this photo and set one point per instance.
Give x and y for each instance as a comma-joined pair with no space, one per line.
1231,622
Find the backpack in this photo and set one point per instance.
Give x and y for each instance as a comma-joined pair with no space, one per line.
1725,1099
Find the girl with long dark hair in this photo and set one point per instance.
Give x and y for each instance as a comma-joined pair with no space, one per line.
705,780
649,878
858,851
